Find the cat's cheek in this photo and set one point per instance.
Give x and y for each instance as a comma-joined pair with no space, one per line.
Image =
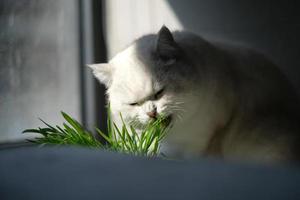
162,108
142,116
127,111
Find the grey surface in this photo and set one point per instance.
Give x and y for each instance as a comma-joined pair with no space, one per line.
272,27
39,64
77,173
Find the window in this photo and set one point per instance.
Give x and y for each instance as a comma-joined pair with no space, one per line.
44,46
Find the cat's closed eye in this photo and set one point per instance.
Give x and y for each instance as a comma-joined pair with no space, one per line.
159,94
156,96
134,104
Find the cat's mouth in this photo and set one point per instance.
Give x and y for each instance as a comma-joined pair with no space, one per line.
165,121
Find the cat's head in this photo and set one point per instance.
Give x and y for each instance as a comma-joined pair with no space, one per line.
147,79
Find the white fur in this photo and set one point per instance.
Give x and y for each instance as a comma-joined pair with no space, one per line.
211,114
103,72
132,82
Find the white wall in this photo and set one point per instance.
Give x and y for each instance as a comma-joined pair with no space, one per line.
126,20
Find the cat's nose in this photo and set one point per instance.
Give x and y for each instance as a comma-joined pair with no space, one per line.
152,114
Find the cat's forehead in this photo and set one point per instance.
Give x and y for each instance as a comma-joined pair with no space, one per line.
128,59
132,80
129,89
127,65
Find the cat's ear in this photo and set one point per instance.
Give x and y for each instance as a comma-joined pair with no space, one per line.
103,72
166,47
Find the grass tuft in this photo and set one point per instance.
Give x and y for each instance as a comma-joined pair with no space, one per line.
125,139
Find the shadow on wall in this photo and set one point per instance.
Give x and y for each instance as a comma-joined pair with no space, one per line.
272,27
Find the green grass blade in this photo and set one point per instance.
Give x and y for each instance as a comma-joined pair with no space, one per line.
128,139
109,140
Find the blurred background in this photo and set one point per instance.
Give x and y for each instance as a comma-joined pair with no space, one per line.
45,45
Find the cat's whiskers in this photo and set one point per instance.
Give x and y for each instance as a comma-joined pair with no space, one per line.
177,108
177,111
179,115
179,102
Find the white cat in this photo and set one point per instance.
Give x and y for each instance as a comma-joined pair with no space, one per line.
222,100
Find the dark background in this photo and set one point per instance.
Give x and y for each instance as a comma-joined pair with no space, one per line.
272,27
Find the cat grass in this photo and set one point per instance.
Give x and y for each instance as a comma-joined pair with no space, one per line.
125,139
